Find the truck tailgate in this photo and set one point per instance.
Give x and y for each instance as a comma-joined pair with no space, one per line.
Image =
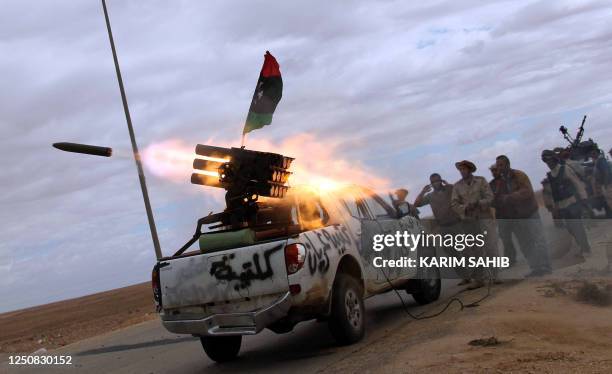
225,276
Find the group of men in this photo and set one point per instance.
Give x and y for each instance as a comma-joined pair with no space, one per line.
506,207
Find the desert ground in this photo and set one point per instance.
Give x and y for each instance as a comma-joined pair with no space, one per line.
542,326
558,323
58,324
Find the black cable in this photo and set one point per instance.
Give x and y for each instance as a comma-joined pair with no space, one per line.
448,304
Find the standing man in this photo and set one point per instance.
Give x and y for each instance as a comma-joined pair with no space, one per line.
581,172
521,212
568,196
602,177
438,195
505,228
471,200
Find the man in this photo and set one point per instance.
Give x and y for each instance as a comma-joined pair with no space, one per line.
581,172
520,208
568,196
438,195
505,228
471,200
402,206
602,177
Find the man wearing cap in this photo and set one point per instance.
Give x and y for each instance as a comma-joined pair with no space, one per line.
471,200
568,195
521,212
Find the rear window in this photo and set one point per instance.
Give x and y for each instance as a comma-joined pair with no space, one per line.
275,212
312,213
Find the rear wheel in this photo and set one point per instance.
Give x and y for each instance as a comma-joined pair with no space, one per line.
221,348
347,319
427,288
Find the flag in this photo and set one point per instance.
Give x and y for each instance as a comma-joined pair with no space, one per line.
268,93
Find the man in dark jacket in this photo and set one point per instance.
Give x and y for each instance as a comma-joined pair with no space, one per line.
568,195
602,178
517,200
504,225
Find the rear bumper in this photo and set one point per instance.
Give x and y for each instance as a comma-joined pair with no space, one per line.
249,323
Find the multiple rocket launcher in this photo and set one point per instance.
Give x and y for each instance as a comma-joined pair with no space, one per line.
243,171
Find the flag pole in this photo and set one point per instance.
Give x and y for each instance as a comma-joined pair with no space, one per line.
141,176
242,141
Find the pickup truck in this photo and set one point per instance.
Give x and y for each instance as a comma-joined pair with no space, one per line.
308,256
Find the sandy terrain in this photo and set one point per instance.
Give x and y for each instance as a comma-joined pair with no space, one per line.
558,324
535,326
57,324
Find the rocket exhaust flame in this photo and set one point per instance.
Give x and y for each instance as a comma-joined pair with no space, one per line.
318,162
207,172
215,159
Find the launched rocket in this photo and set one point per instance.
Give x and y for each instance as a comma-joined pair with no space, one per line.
84,148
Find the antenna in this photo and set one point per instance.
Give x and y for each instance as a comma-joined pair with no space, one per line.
141,176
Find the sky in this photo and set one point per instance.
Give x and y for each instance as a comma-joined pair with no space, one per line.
379,93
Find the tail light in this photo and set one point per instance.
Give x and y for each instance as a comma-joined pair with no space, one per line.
155,284
295,254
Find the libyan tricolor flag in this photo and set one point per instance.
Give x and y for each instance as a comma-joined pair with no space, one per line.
267,94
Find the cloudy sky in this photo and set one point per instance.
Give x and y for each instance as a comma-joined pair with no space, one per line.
390,91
